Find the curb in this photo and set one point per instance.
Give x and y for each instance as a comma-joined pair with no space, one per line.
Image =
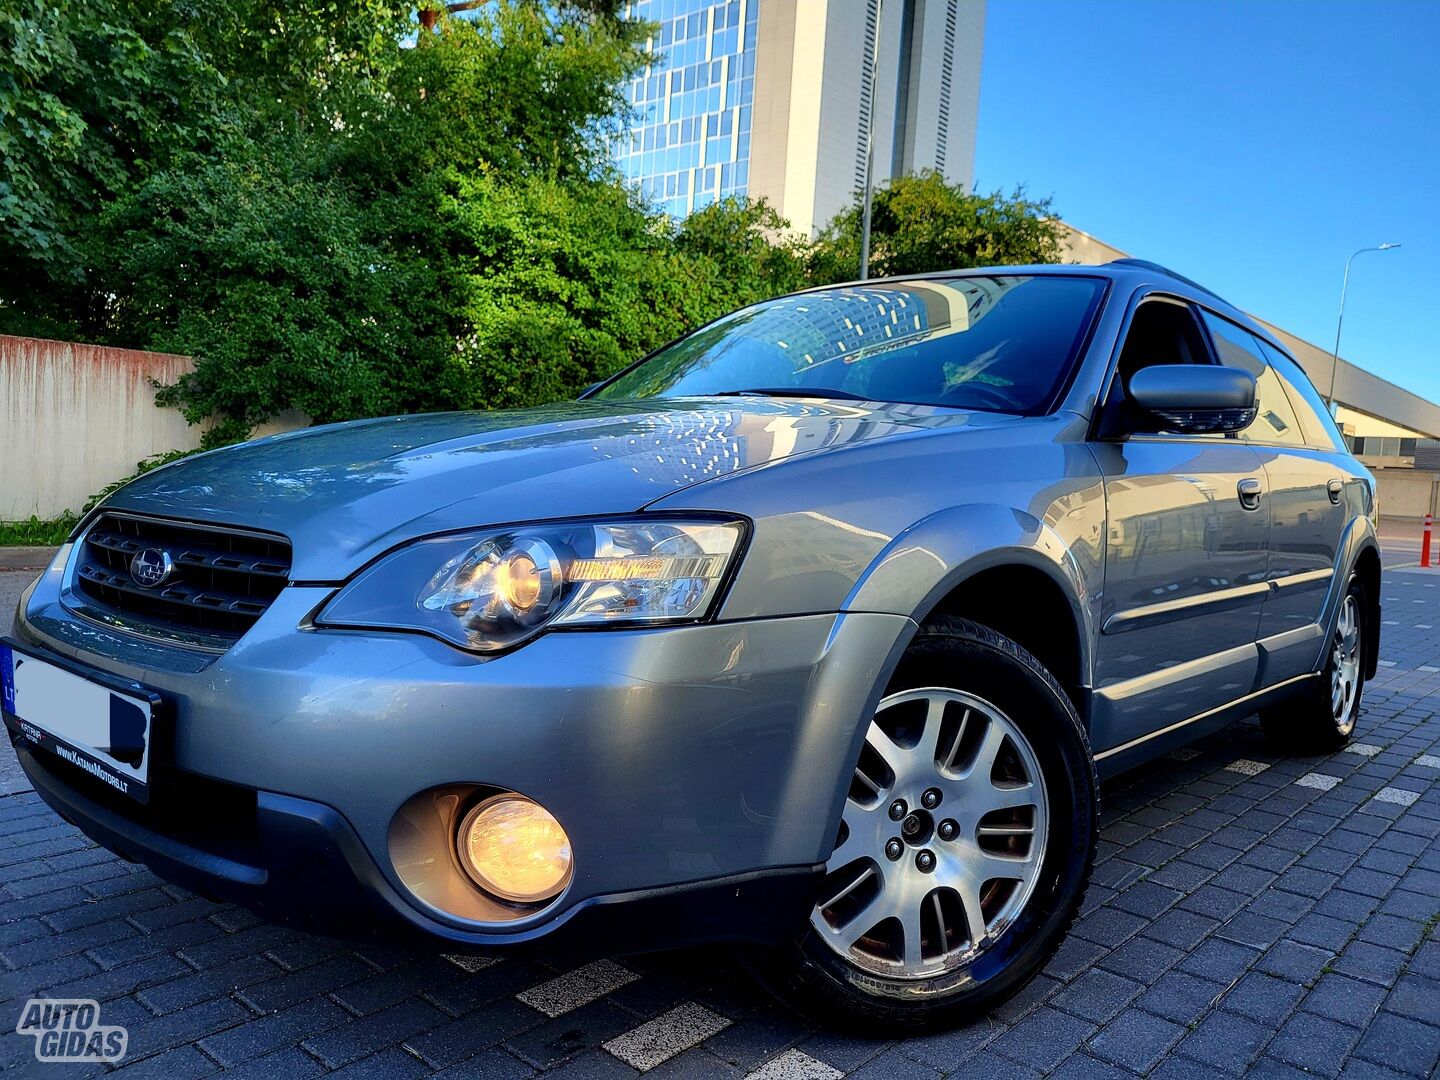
26,558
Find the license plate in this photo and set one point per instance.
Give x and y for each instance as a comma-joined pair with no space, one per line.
100,724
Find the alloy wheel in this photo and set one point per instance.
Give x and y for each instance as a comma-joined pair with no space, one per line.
941,840
1345,663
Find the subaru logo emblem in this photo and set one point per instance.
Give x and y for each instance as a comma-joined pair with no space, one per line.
151,568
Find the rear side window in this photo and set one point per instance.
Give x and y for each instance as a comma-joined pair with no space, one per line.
1275,419
1315,418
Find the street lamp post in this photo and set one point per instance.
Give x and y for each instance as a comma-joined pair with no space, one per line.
1340,321
870,147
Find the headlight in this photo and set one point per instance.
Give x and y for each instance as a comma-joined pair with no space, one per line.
490,591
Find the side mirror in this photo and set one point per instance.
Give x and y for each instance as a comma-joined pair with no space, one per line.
1195,399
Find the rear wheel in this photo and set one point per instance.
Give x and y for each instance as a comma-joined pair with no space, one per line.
1324,718
964,844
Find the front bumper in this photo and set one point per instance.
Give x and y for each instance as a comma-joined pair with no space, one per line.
700,765
301,863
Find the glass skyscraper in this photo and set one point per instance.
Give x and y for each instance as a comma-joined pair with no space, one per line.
776,99
691,142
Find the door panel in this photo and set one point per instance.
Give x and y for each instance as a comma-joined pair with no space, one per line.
1185,580
1304,541
1310,497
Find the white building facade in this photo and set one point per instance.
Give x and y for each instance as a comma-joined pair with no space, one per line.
775,99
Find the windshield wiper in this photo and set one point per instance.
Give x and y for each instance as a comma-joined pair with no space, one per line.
792,391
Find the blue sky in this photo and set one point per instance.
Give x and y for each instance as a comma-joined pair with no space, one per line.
1249,145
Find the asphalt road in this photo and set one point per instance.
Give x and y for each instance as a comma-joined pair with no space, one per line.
11,586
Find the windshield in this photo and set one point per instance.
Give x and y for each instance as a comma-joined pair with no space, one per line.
1002,343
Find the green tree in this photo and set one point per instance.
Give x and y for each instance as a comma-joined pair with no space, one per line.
345,257
921,224
572,281
744,251
358,207
92,94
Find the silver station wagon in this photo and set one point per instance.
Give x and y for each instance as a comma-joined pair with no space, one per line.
812,630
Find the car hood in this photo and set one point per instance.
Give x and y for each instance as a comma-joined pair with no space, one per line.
345,493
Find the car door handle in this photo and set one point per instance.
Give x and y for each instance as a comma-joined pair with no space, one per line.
1249,490
1336,488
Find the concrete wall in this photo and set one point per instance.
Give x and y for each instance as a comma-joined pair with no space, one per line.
79,417
1407,494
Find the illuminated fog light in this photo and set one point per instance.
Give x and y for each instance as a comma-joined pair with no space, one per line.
515,849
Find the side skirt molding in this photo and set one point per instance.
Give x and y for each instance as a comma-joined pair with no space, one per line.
1119,758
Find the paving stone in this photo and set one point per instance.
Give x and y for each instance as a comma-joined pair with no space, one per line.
392,1064
754,1039
468,1035
667,1035
1417,998
1136,1040
1098,995
1142,959
795,1065
1219,897
280,990
576,988
292,1063
1339,997
1219,959
1295,962
202,985
1393,932
1374,963
183,1026
1360,749
1402,1044
946,1050
988,1066
1182,929
358,1037
1043,1038
1246,767
1313,1043
1225,1041
274,1031
1082,1066
180,1063
1263,998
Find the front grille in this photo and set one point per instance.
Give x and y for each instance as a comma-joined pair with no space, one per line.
221,582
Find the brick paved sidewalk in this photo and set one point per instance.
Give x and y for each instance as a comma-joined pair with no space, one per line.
1249,912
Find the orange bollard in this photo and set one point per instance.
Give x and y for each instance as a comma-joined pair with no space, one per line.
1425,543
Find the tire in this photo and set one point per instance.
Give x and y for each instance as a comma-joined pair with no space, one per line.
1323,719
962,696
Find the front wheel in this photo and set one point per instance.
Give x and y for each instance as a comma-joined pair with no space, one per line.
964,845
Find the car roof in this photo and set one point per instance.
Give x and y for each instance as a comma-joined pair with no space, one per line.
1130,272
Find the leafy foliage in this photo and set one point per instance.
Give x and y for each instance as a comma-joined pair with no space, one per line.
92,92
358,207
37,533
921,224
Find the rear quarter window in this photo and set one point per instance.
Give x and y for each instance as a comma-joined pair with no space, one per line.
1315,419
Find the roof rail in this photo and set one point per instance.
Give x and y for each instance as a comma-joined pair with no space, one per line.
1146,264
